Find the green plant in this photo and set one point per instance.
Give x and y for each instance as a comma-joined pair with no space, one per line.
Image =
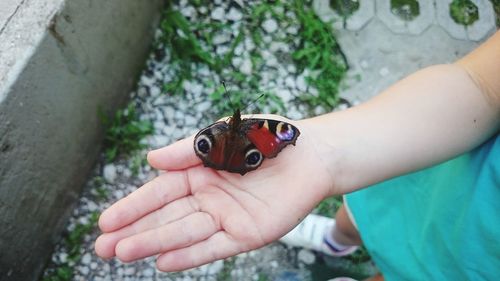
73,244
225,273
405,9
74,239
360,256
496,7
62,273
320,53
262,277
181,39
185,40
464,12
191,45
138,160
329,206
124,132
345,8
101,193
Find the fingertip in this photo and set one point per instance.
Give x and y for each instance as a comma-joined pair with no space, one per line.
125,250
105,222
154,157
103,248
176,156
168,263
150,158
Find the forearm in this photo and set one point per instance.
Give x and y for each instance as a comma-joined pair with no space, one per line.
431,116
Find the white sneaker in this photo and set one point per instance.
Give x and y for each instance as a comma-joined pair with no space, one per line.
313,233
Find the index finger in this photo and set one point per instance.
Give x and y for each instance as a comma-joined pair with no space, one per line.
153,195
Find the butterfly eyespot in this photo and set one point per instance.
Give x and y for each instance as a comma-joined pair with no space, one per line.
203,144
253,158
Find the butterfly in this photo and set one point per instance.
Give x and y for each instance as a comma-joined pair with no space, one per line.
240,145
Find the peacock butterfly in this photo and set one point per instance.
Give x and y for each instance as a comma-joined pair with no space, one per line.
240,145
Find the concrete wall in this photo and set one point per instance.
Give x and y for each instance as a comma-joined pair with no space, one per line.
59,62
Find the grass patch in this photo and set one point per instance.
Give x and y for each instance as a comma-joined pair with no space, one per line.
329,206
74,239
344,8
73,244
464,12
225,273
360,256
405,9
190,43
262,277
124,132
320,53
98,191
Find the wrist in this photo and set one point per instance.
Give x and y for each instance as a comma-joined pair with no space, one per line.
320,143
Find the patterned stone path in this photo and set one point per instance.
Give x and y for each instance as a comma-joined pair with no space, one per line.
431,13
382,48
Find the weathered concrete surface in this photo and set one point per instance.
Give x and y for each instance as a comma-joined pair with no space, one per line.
59,62
7,10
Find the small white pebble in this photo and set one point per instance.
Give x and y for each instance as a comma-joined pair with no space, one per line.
109,173
301,83
306,256
129,271
155,91
84,270
234,15
86,259
270,25
148,272
93,265
246,67
218,14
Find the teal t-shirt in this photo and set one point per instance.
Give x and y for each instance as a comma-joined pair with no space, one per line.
441,223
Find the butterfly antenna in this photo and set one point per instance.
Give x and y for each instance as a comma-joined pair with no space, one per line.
227,94
254,101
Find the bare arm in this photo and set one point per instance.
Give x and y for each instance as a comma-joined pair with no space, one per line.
428,117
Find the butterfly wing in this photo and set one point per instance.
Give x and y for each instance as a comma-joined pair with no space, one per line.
243,147
270,136
221,148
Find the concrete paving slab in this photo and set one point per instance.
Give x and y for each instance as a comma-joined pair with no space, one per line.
378,57
354,22
8,9
389,48
485,25
398,25
444,19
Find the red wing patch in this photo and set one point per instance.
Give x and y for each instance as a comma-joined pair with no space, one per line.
265,141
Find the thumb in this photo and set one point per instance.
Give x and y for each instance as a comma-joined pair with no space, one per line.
177,156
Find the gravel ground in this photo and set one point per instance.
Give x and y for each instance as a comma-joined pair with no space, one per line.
173,118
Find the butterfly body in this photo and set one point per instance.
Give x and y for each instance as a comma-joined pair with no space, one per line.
240,145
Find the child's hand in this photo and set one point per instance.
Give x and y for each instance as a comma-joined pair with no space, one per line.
192,215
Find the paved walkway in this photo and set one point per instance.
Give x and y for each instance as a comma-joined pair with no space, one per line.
381,48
